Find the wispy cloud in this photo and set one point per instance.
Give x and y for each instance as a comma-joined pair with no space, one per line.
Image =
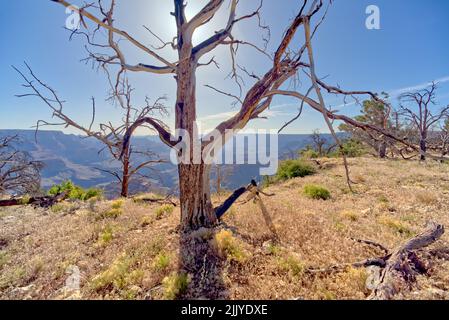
398,92
218,116
272,112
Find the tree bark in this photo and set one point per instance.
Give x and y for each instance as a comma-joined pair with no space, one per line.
194,178
195,197
403,264
423,147
382,150
125,177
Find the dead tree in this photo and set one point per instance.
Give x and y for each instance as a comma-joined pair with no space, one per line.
19,174
442,139
396,269
289,60
110,135
42,202
422,117
319,143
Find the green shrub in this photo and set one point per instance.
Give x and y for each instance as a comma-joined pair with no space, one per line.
291,265
316,192
113,213
175,285
309,153
3,259
75,192
228,247
351,148
161,262
118,275
25,200
294,168
105,236
162,210
117,204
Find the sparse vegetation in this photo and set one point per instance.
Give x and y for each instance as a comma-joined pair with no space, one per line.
119,259
316,192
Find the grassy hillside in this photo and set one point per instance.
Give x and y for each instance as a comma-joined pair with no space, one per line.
131,250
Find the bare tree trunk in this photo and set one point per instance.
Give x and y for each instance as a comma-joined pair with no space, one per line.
423,146
125,175
383,150
125,183
195,197
194,179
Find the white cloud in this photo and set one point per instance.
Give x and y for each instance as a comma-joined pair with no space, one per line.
218,116
398,92
226,115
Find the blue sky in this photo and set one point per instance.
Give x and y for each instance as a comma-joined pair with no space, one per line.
410,50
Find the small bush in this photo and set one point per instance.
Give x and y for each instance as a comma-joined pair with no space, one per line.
267,181
75,192
3,259
162,210
161,262
175,285
145,221
292,265
309,153
350,215
228,247
117,204
155,246
426,197
350,148
58,208
118,275
293,169
106,236
316,192
396,225
113,213
25,200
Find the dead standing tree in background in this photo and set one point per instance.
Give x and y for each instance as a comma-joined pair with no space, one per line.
19,174
112,136
284,67
421,117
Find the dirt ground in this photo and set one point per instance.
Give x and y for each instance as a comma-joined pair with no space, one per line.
126,249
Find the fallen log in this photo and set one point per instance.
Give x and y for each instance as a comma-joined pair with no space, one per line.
43,202
166,200
404,265
396,270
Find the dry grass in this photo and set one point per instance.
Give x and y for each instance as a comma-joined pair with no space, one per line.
135,254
